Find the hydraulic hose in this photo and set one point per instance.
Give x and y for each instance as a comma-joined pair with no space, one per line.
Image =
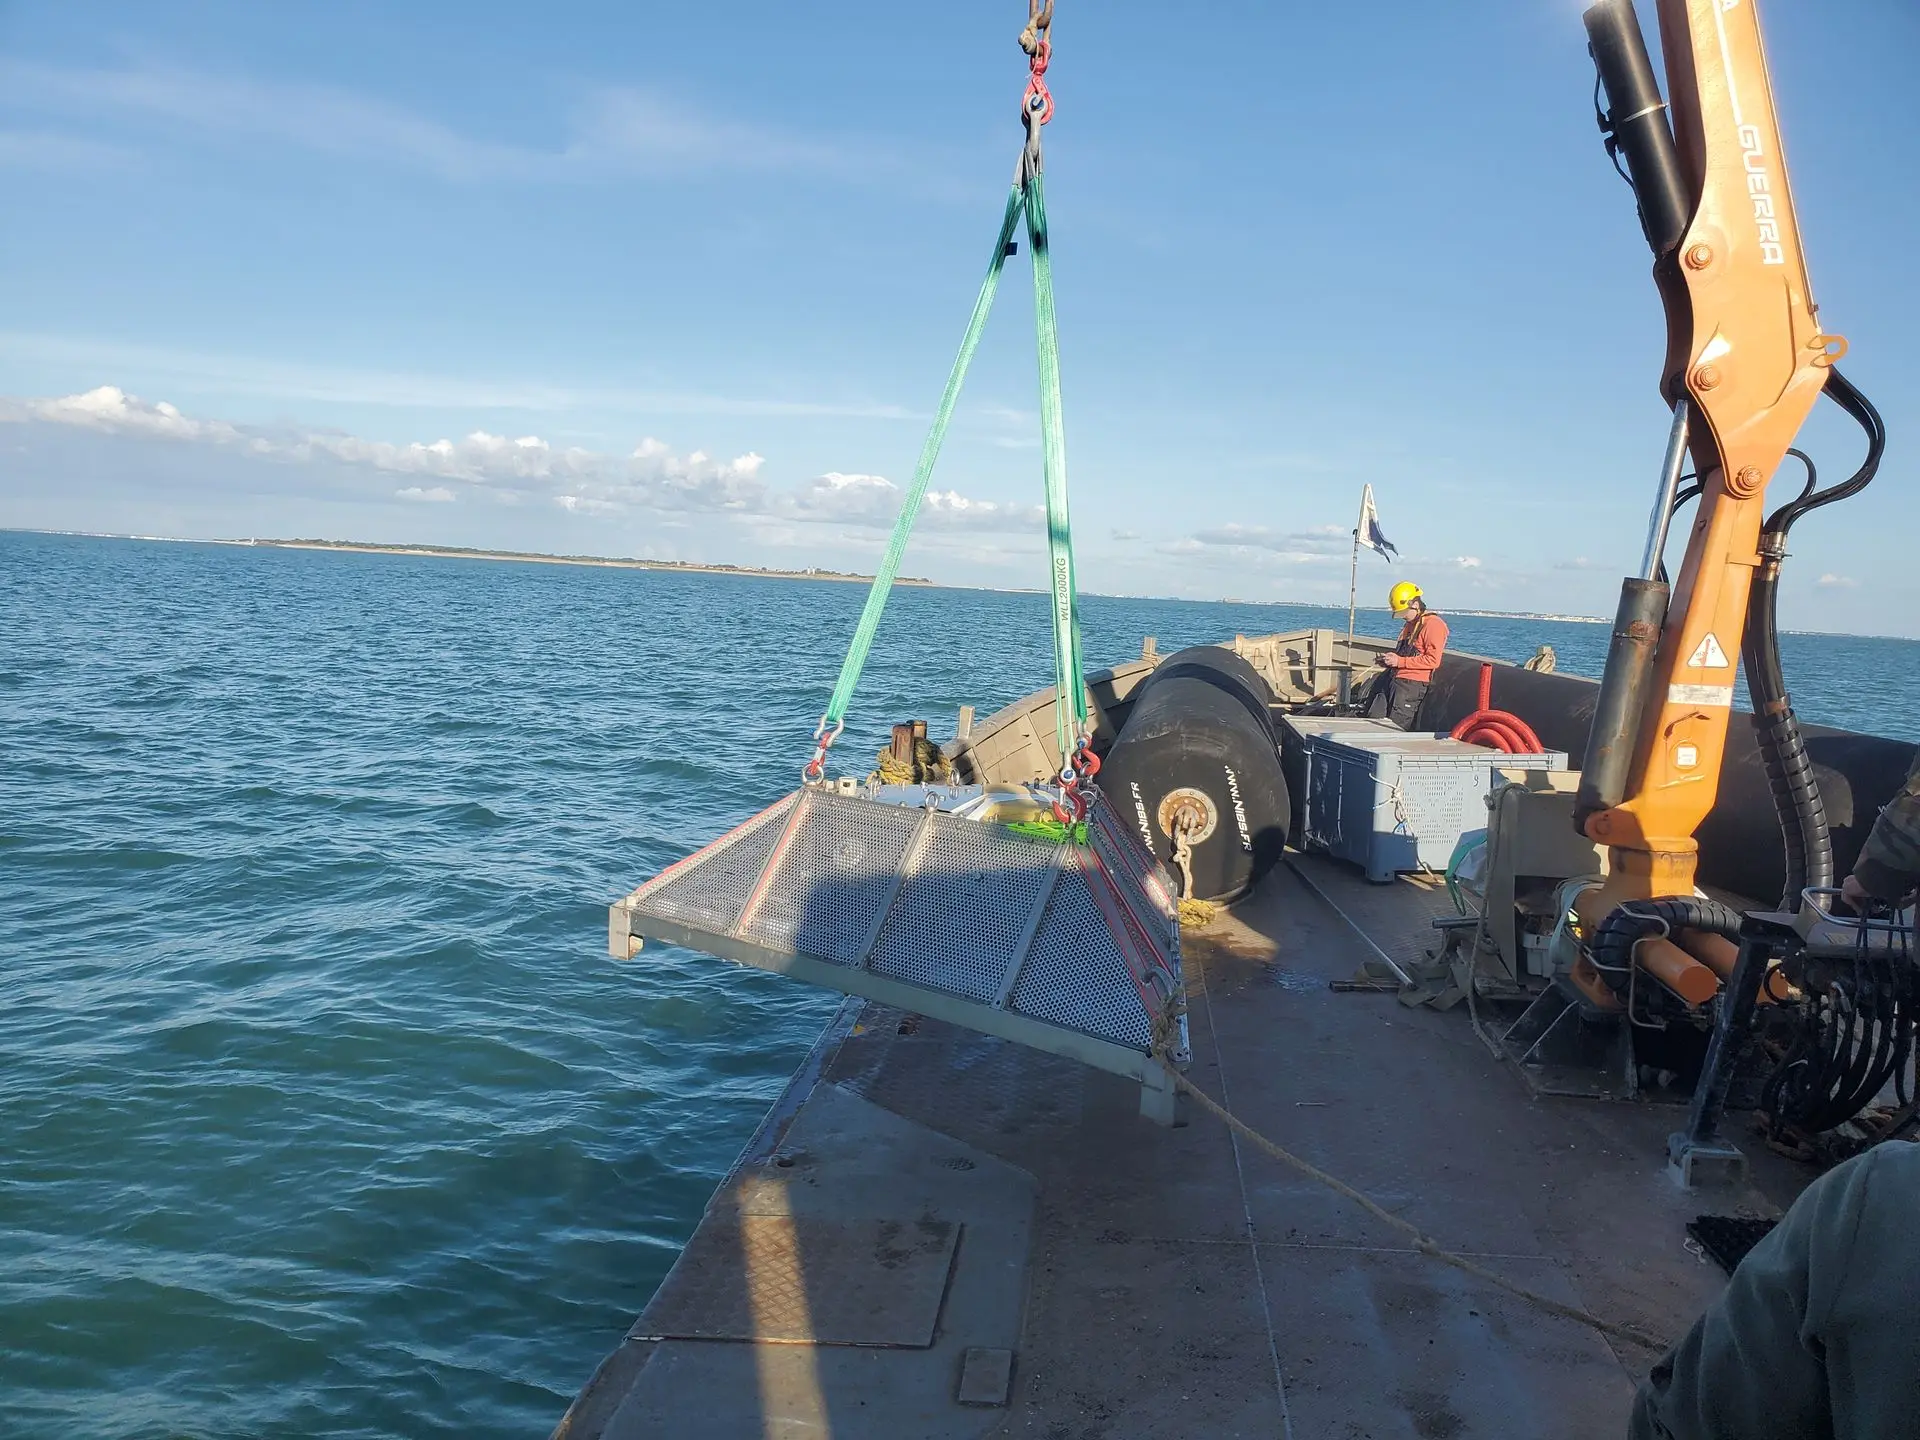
1612,946
1613,943
1806,835
1855,1035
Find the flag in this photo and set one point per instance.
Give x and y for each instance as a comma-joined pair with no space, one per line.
1370,532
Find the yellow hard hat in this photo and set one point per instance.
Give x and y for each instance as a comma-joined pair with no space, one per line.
1403,595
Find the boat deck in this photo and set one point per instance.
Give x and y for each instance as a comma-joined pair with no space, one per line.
940,1234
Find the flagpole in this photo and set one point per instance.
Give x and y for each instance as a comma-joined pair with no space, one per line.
1353,589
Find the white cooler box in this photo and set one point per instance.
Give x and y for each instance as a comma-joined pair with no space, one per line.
1394,800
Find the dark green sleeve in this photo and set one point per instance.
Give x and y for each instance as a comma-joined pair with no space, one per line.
1889,863
1754,1364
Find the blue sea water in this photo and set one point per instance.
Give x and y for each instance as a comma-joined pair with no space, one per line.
322,1109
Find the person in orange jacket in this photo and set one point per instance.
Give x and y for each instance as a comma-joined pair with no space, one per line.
1423,640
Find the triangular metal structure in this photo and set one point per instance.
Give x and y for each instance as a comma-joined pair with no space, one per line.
885,892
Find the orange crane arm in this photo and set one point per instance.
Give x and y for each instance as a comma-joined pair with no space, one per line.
1746,360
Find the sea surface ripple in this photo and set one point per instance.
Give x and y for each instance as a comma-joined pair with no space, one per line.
322,1109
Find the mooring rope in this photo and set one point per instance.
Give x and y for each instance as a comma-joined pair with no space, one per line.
1422,1242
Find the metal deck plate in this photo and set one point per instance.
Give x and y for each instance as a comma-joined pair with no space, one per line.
1728,1238
803,1280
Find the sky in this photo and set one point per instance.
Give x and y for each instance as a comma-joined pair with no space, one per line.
684,282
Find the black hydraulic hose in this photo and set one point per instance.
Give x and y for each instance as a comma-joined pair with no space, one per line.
1854,1038
1841,391
1905,995
1806,1090
1806,837
1889,1048
1859,1081
1613,942
1784,1095
1686,490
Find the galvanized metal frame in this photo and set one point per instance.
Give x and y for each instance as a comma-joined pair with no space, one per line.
750,911
909,863
726,842
1011,980
938,1005
1139,931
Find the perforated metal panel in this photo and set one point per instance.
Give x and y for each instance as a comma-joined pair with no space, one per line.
825,889
713,892
1074,975
963,908
1073,948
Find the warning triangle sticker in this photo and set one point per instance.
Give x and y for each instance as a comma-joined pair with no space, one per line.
1708,655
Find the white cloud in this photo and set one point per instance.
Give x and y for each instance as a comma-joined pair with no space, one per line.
1831,581
609,131
1124,535
198,372
1467,562
1180,548
582,505
50,150
1293,547
111,408
1579,562
875,500
515,469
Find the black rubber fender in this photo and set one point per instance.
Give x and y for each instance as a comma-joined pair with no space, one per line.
1201,725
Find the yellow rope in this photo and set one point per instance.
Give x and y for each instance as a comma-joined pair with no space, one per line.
1198,913
929,766
1421,1242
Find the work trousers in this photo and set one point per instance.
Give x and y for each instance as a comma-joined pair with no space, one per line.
1397,700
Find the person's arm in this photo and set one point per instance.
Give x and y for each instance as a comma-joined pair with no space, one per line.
1753,1366
1889,863
1393,659
1432,642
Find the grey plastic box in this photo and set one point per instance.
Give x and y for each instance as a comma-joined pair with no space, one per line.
1391,800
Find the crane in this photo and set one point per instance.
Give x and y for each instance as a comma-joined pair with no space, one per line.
1747,359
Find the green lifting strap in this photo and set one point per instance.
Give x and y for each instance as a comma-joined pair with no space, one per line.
1070,709
863,633
1070,715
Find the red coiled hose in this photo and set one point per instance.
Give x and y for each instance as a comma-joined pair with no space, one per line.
1496,728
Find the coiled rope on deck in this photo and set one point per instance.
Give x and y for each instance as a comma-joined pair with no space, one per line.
1194,912
928,766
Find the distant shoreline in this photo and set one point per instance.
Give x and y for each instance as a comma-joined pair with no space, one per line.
1531,615
527,557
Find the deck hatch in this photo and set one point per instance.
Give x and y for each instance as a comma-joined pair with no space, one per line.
806,1280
